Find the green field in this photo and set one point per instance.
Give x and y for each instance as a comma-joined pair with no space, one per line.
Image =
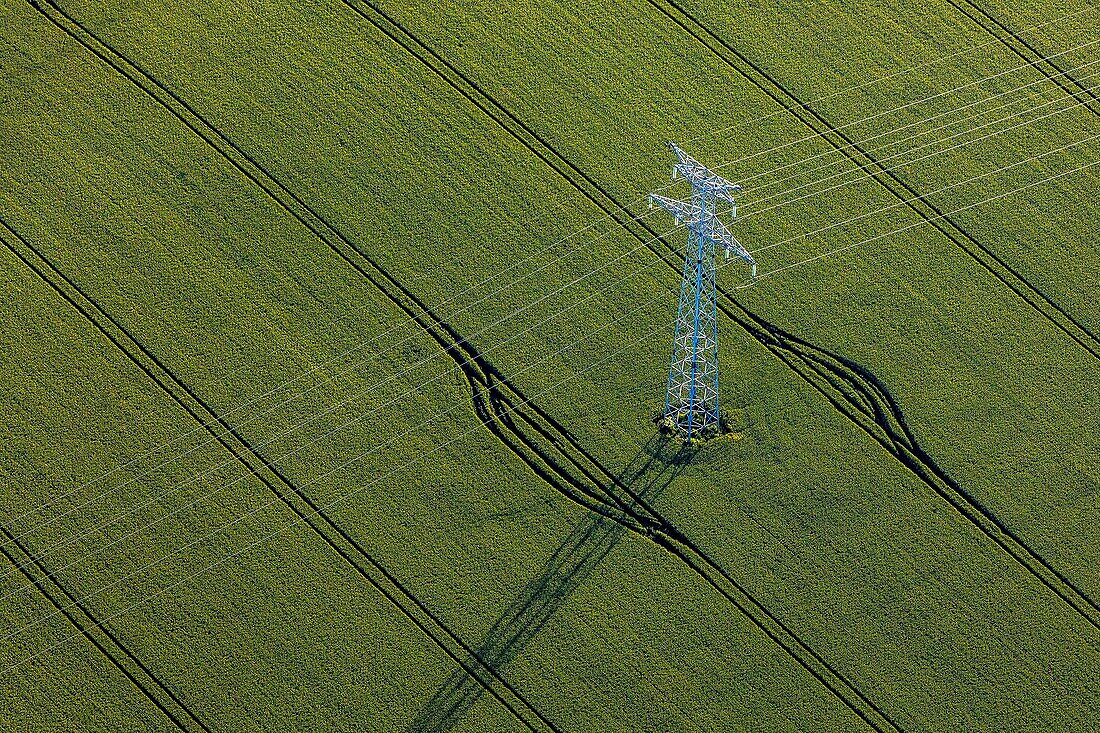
333,331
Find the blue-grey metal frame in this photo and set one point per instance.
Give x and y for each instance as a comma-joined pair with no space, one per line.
691,400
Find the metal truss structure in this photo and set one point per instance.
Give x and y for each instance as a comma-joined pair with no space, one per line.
691,401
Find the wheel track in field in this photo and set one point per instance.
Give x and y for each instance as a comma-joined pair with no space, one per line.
583,550
648,522
889,179
776,340
893,433
80,617
257,465
497,402
851,388
1026,52
855,396
485,397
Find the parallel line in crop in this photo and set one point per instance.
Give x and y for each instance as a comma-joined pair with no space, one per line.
540,461
77,612
102,638
649,523
884,176
568,567
653,527
1026,51
663,538
904,444
631,508
589,484
303,506
475,368
851,388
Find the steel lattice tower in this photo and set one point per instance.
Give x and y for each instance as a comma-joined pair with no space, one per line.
691,402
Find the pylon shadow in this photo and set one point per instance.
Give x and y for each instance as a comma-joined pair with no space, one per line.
648,474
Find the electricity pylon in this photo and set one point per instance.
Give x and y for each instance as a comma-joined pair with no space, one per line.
691,402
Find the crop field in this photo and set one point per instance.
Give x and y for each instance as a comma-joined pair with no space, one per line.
333,333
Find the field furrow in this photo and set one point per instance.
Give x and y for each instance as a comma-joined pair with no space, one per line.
99,635
106,620
903,445
385,265
889,179
975,510
297,500
1026,51
504,404
466,357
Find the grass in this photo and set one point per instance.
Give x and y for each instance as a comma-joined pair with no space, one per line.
898,593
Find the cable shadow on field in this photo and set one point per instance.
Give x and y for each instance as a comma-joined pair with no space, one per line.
649,473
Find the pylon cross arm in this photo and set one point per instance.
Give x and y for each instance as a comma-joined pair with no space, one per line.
730,244
701,177
705,222
682,211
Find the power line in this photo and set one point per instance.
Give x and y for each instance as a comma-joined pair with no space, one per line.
862,142
602,218
922,222
604,327
424,360
322,413
933,154
848,90
932,193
